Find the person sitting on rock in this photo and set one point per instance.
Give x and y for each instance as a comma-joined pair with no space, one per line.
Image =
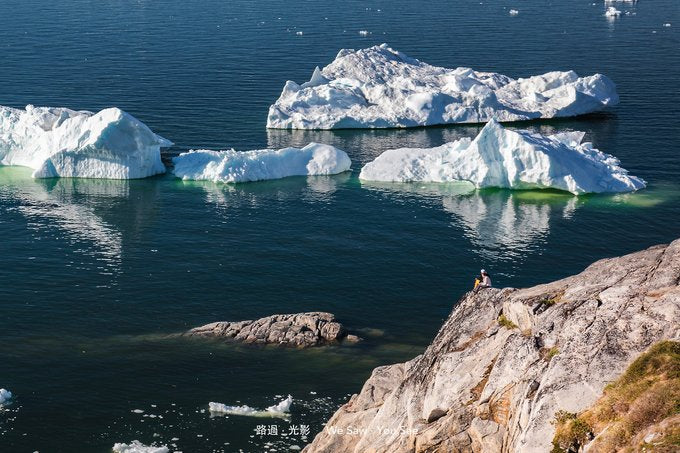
483,281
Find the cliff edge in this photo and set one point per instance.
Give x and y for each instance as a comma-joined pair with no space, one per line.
507,361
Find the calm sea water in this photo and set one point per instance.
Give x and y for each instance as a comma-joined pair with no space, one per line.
96,274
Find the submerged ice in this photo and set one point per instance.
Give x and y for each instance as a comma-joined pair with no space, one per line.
499,157
280,410
242,166
380,87
59,142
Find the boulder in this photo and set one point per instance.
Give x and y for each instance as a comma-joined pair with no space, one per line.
298,330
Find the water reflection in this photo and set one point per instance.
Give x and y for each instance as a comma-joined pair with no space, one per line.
365,145
502,225
76,207
312,189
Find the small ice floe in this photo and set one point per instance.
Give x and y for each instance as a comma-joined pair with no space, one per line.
280,410
243,166
612,12
514,12
667,24
137,447
137,411
364,32
5,397
299,33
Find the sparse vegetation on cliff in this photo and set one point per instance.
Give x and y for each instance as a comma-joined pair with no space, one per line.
645,396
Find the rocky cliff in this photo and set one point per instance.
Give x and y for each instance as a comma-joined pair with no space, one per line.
506,361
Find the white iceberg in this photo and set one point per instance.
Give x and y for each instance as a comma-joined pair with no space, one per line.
280,410
612,12
242,166
58,142
137,447
504,158
380,87
5,396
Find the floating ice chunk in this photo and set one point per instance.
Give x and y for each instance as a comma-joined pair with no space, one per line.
667,25
498,157
299,33
514,12
364,32
380,87
234,166
137,447
280,410
61,142
5,397
612,12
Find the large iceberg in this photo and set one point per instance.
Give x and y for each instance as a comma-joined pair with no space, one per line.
242,166
380,87
62,142
500,157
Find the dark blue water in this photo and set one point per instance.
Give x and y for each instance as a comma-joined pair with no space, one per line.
95,274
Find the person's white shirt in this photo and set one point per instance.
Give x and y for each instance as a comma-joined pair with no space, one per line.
486,281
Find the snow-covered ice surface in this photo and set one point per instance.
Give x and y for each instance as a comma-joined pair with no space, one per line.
59,142
242,166
280,410
137,447
5,396
379,87
499,157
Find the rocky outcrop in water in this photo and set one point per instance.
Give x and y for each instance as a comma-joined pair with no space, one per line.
298,330
506,361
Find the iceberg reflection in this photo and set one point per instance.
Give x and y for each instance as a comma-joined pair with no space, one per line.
311,189
499,224
506,226
69,206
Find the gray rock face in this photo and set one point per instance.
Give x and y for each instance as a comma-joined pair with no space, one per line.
297,330
481,387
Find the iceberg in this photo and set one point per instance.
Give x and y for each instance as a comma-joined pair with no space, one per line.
379,87
5,396
59,142
280,410
234,166
137,447
612,12
504,158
